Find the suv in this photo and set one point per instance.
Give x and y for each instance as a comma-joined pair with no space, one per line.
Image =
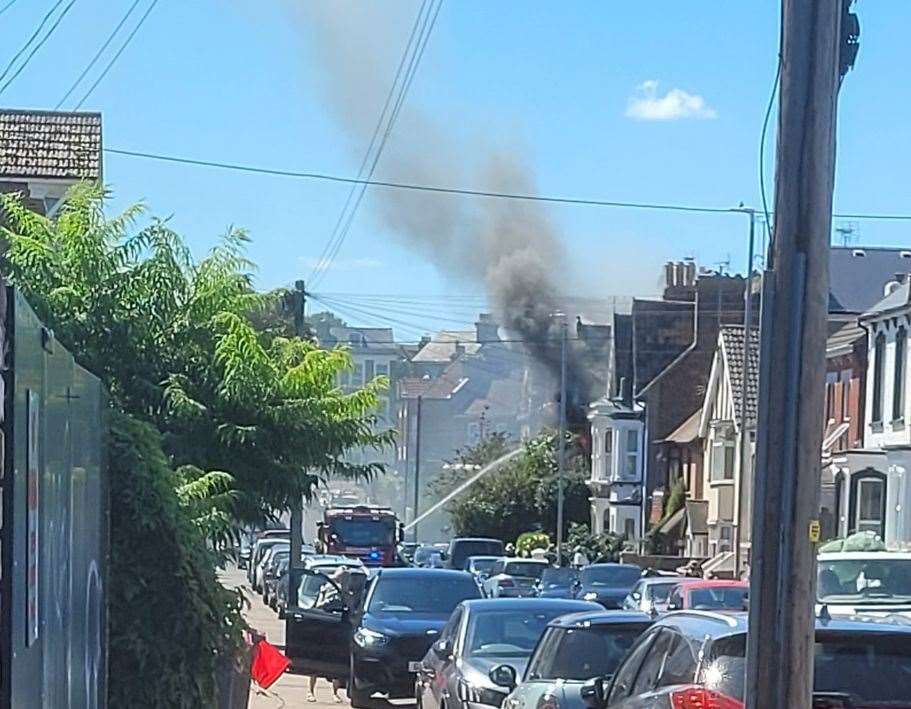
462,548
693,659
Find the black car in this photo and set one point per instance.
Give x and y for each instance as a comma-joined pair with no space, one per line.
557,582
461,548
607,584
486,639
698,658
375,640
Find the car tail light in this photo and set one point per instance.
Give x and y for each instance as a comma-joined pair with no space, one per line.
701,698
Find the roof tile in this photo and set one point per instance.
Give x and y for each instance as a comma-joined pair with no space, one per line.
51,145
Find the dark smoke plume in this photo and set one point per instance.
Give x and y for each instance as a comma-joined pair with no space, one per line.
509,247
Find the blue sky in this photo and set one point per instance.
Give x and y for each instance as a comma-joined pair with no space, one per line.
244,81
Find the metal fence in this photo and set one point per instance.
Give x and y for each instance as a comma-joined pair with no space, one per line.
54,522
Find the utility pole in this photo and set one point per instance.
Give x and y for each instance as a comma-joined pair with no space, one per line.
792,358
561,443
297,299
417,467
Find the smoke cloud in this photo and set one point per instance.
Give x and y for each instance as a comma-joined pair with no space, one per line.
509,247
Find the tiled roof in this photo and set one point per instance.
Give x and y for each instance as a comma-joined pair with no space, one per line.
733,343
50,145
842,340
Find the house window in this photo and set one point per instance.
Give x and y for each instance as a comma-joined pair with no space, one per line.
631,466
357,374
871,505
898,383
879,355
722,459
382,369
831,391
846,394
608,452
629,528
368,370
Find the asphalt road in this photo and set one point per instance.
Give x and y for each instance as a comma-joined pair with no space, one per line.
290,690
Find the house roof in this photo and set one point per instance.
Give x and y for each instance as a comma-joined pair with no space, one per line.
50,145
732,343
900,297
443,346
858,275
686,431
502,397
842,341
662,330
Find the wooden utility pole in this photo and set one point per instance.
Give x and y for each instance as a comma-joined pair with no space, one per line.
792,362
417,468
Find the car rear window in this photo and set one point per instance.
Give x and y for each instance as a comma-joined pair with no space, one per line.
719,598
583,653
873,669
461,550
525,569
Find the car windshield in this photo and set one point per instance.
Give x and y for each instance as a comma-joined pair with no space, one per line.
363,532
610,575
482,565
659,592
873,669
422,592
558,578
722,598
864,580
582,653
506,633
425,554
526,569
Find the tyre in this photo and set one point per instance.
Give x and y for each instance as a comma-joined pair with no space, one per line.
359,698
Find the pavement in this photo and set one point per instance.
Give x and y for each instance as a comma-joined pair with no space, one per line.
290,690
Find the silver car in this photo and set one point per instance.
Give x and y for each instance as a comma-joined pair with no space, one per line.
573,650
650,595
514,578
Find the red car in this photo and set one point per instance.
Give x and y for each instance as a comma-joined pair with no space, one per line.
710,596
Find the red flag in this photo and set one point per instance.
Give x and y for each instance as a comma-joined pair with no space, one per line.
268,664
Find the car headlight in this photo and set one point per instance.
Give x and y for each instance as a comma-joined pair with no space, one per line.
369,638
479,695
590,596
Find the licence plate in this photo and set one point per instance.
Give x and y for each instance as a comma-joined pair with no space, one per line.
414,666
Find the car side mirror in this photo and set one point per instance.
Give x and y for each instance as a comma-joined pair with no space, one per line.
503,676
442,648
593,693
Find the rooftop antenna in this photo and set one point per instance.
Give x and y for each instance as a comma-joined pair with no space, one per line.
848,233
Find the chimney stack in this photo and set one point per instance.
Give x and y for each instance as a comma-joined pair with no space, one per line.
486,329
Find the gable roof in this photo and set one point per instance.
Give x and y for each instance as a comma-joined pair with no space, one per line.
50,145
443,346
732,344
858,275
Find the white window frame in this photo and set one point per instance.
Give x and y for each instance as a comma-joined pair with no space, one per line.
720,446
630,470
608,453
870,523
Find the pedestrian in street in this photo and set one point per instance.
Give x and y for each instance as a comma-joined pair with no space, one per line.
336,686
331,592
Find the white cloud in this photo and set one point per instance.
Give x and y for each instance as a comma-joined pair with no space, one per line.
646,105
352,264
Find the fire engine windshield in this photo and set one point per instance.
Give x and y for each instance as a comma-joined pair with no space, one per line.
363,532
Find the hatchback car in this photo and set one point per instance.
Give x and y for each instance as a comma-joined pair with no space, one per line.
608,584
574,649
259,571
514,578
484,647
716,595
877,582
461,548
652,594
480,566
695,659
375,644
259,549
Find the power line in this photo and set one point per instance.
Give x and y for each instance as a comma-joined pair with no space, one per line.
38,46
328,177
762,137
7,6
319,266
116,56
98,54
420,45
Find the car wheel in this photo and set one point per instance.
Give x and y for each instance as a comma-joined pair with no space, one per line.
359,698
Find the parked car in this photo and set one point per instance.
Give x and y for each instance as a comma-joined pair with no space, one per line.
480,566
406,551
266,550
260,548
608,584
514,577
652,594
376,644
557,582
325,564
271,571
876,582
697,659
484,640
428,556
463,547
574,649
716,595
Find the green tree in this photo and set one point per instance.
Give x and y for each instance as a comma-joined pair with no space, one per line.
522,494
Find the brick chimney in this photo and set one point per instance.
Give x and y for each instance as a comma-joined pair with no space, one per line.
486,328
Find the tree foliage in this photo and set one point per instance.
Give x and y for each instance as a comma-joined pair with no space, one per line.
596,547
522,494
